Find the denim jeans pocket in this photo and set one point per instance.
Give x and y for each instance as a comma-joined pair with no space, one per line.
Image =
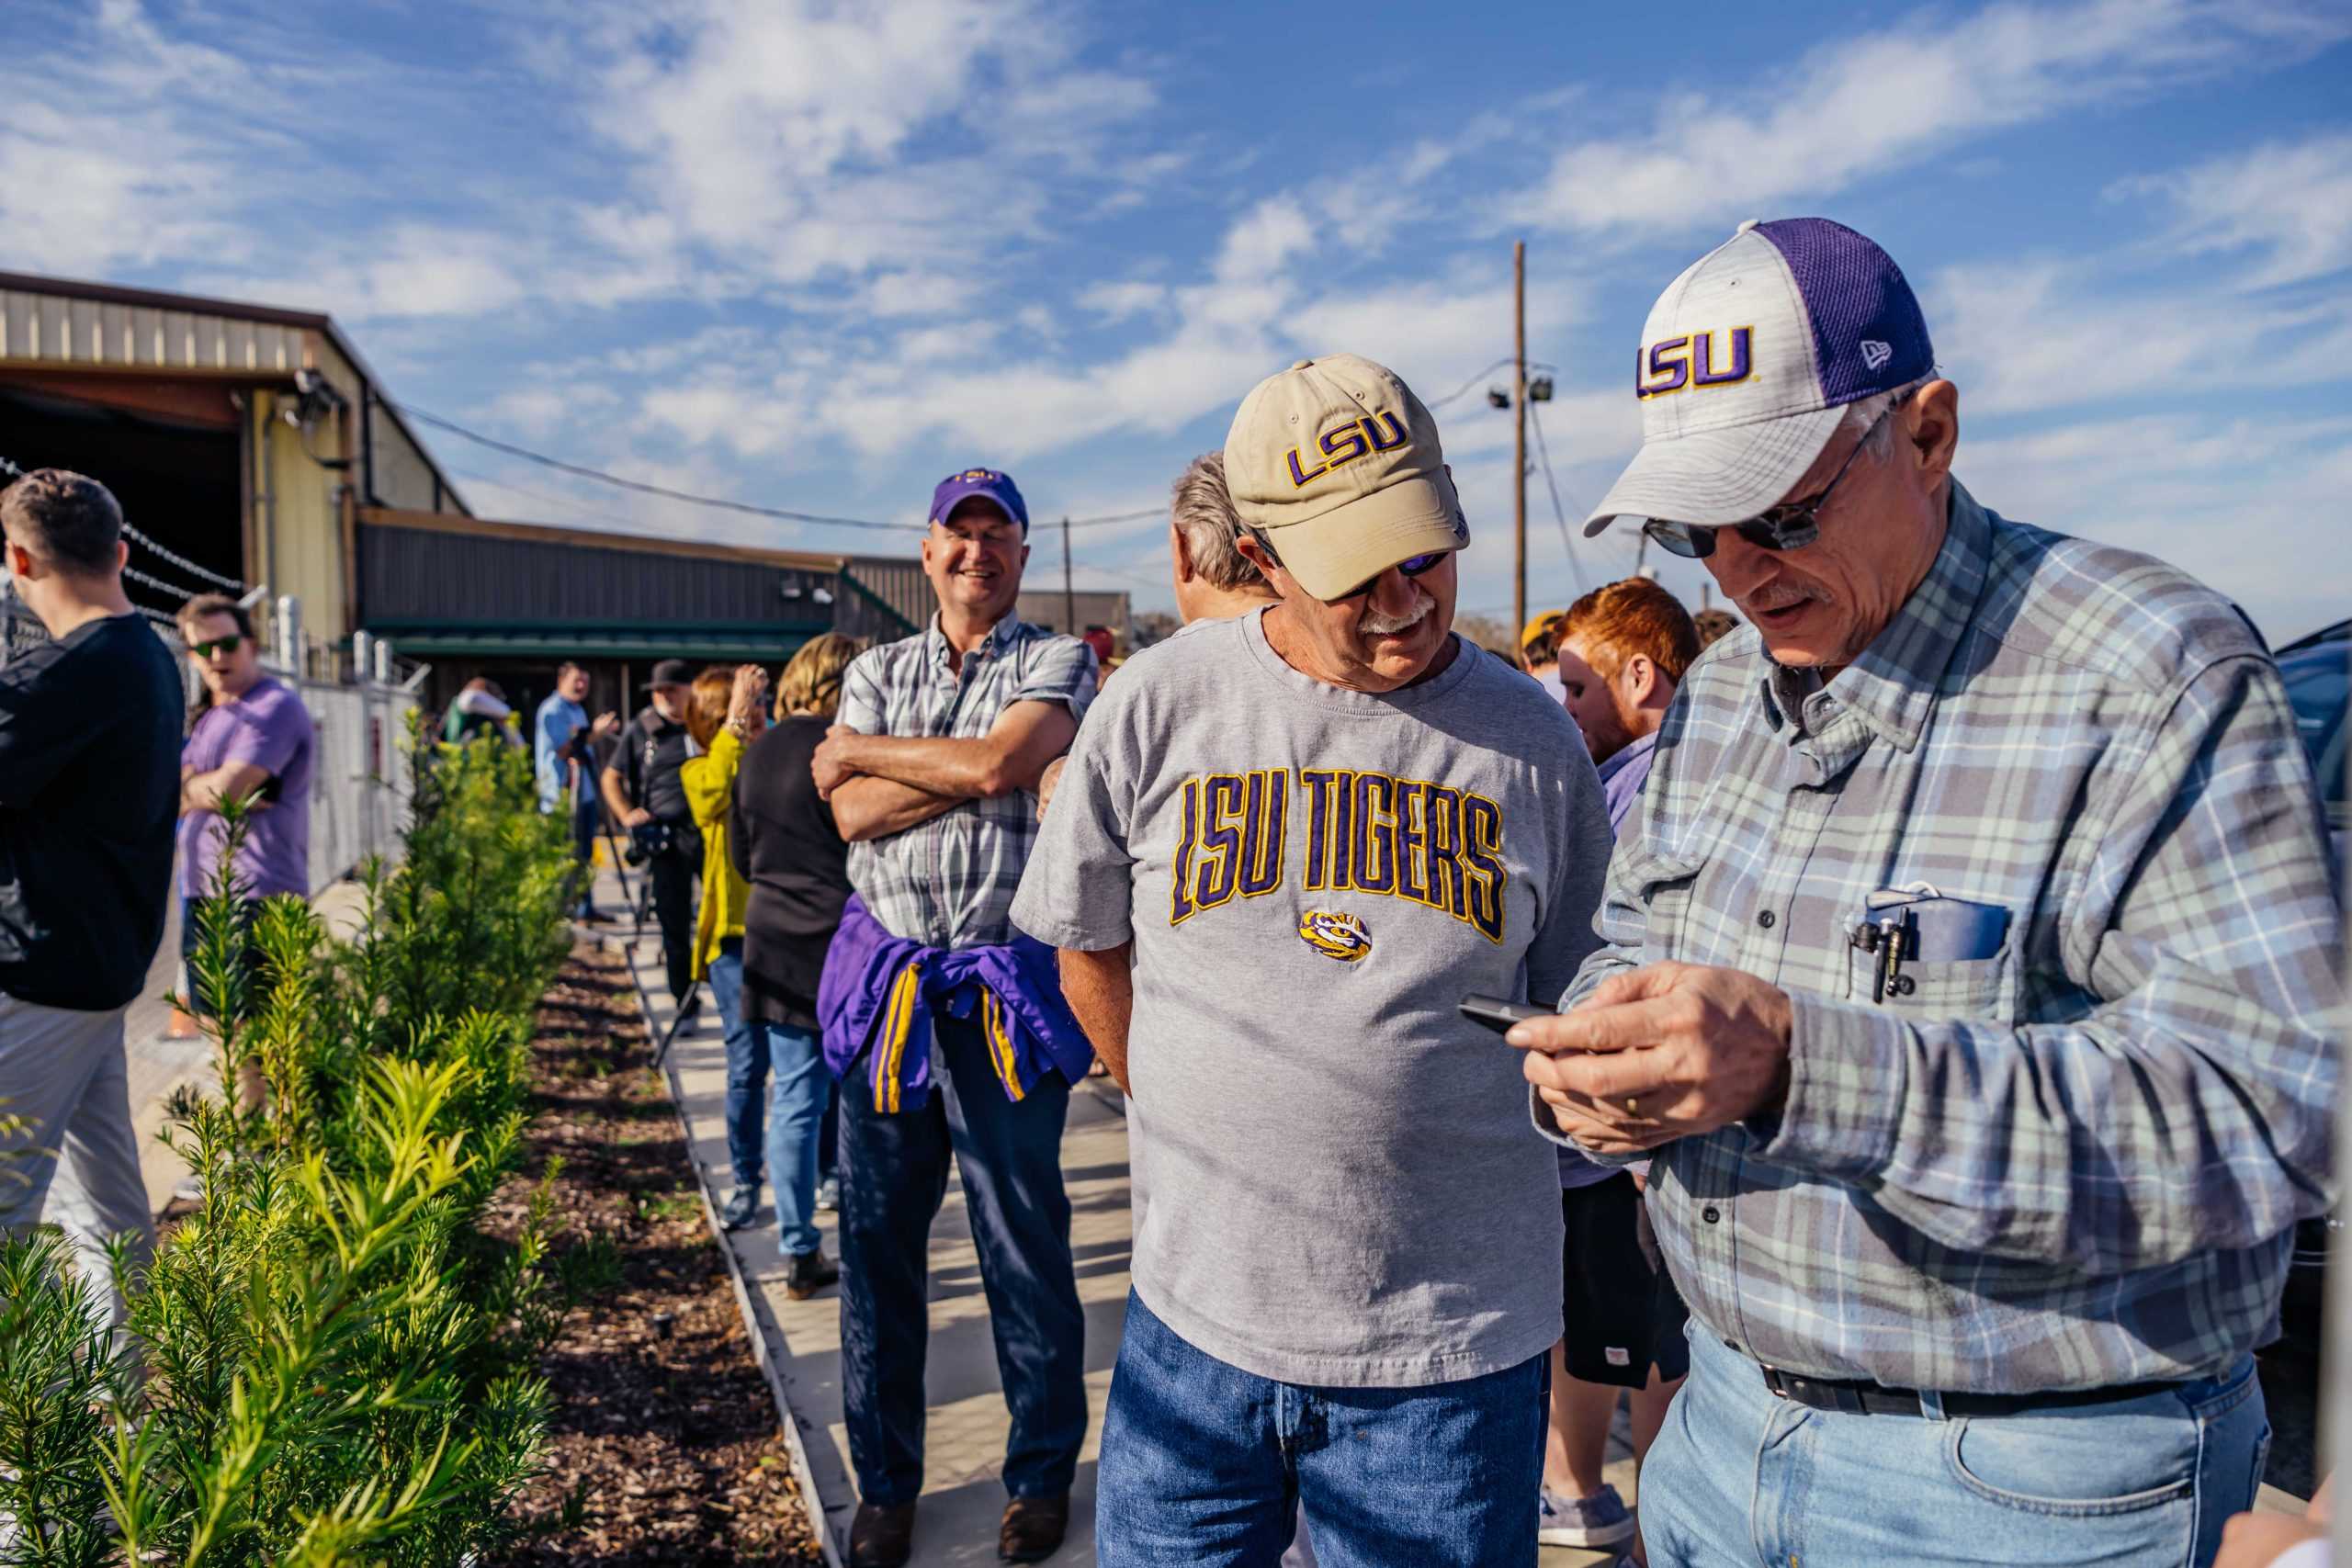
2078,1466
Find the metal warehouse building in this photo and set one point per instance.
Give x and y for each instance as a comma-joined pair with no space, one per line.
252,445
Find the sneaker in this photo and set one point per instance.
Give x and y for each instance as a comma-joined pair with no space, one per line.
808,1273
828,1195
741,1205
1601,1519
189,1188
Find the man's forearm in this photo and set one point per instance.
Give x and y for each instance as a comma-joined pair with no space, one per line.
1099,988
960,770
868,808
614,801
230,781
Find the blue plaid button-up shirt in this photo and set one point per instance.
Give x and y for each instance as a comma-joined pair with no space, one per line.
949,881
2071,1163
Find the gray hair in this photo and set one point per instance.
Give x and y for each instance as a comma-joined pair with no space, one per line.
1869,414
1203,510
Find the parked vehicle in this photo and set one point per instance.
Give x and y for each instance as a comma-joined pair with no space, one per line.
2318,671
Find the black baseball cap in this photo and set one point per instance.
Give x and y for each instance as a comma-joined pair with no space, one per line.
672,673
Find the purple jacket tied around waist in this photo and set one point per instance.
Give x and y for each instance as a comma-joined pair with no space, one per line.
879,993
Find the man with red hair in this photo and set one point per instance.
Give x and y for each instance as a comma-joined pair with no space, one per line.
1622,648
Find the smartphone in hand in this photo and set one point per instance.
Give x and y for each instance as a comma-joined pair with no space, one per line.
1498,1014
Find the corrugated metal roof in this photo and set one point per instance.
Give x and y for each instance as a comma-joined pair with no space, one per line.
757,642
50,322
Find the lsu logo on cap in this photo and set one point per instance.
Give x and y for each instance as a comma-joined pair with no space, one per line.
978,476
1344,443
1335,935
1672,364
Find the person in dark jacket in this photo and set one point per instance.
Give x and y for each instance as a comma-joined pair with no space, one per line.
89,785
782,839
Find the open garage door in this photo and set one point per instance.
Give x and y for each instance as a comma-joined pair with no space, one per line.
175,471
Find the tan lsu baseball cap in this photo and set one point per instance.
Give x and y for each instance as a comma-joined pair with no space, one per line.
1338,464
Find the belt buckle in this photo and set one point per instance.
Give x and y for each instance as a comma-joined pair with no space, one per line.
1815,1395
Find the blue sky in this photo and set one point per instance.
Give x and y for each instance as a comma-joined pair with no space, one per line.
817,255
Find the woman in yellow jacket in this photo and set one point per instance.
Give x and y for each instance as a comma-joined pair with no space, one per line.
727,712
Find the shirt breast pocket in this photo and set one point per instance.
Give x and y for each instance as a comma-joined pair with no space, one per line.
1956,960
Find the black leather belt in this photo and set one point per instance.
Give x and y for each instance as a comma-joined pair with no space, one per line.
1858,1398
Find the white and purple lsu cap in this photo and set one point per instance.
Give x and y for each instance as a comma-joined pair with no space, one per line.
1747,362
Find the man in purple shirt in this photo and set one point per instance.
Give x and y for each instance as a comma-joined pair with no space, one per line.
254,742
1623,651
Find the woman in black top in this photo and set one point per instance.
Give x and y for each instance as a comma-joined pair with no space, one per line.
782,842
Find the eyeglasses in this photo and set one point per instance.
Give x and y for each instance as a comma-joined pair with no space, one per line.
1790,527
216,647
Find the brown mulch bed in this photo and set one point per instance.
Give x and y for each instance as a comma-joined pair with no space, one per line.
665,1447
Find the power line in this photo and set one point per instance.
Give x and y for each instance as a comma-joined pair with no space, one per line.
1544,457
1470,385
718,503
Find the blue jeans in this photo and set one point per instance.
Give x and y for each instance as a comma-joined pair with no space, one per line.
747,1063
894,1176
1741,1477
796,1109
1203,1463
587,817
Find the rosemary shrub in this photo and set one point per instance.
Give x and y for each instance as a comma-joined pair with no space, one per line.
330,1360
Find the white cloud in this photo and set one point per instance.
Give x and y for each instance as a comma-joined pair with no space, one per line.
2288,202
2046,334
917,294
1117,301
1887,100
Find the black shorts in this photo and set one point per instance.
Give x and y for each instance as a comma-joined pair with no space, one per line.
1618,1316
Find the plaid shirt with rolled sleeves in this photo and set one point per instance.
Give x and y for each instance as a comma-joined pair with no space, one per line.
2076,1163
949,881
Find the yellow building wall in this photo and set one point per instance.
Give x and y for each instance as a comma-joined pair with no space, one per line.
298,527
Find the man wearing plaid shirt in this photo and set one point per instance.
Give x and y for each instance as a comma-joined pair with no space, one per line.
931,772
1968,968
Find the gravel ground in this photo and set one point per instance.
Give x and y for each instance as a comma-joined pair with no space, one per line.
665,1447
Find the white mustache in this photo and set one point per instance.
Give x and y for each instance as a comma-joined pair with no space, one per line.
1375,624
1781,595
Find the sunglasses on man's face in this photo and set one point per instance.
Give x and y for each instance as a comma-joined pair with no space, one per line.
1411,566
1790,527
219,647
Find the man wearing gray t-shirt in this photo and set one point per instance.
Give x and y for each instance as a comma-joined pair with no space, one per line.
1285,849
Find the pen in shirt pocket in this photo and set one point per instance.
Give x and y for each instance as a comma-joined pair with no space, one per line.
1916,923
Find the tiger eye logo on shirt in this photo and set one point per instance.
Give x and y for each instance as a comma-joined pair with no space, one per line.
1364,833
1334,934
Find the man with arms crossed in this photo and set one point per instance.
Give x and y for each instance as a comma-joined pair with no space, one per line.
89,781
1971,958
931,774
1313,830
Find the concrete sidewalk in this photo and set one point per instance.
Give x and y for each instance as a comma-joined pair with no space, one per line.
964,1450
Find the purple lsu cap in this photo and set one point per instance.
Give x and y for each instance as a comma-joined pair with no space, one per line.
987,483
1747,362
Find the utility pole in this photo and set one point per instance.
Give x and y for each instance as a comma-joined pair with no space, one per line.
1518,445
1070,600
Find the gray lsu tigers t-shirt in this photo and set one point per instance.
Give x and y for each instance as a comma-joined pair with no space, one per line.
1339,1185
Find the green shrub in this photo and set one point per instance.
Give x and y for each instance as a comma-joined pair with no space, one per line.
329,1360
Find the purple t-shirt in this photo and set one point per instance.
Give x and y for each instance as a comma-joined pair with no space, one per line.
1621,777
269,727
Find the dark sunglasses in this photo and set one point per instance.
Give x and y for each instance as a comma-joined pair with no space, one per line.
1790,527
1411,566
216,647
